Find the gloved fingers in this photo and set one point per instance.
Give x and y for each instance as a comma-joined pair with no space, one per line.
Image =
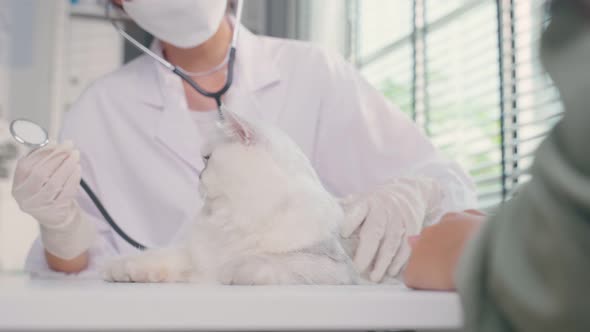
370,237
24,165
34,195
39,155
71,186
411,213
63,173
388,250
46,168
400,259
354,215
44,171
41,171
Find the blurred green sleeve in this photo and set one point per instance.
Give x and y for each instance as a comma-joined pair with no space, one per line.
528,269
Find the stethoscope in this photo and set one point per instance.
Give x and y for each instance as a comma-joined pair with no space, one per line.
34,136
216,95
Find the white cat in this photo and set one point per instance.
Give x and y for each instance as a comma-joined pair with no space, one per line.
266,219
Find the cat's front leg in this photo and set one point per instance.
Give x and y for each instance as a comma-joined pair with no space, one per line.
158,265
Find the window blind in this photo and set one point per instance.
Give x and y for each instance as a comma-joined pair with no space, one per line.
468,73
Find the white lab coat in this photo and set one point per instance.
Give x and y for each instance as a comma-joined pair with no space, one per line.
141,150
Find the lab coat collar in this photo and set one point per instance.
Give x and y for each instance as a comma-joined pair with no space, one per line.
258,69
176,130
255,70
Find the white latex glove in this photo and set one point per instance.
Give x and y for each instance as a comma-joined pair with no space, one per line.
45,186
384,219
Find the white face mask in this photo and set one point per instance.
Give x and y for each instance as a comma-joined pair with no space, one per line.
182,23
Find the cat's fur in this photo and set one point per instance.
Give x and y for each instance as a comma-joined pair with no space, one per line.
266,219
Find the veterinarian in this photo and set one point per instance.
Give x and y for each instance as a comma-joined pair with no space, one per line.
526,268
138,133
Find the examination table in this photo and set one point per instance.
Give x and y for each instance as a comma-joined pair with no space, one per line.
58,305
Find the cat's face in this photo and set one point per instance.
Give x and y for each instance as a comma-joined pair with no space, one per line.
253,168
258,182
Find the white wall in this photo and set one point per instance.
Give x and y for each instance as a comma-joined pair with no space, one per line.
50,58
254,15
324,22
31,44
34,31
4,52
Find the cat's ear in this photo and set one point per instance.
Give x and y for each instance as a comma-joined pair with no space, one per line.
238,128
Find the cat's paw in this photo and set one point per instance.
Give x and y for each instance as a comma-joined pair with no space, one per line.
146,268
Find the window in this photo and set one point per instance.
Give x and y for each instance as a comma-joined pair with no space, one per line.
468,73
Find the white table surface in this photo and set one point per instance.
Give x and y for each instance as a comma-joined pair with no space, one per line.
27,304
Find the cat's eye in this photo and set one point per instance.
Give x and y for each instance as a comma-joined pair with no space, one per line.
206,158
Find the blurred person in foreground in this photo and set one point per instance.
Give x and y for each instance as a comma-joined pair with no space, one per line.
527,268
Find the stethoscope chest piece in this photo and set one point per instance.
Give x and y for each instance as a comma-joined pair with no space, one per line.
29,133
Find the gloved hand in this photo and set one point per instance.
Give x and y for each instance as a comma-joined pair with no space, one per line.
45,186
383,221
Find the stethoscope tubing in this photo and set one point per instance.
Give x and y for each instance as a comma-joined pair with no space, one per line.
216,95
103,211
